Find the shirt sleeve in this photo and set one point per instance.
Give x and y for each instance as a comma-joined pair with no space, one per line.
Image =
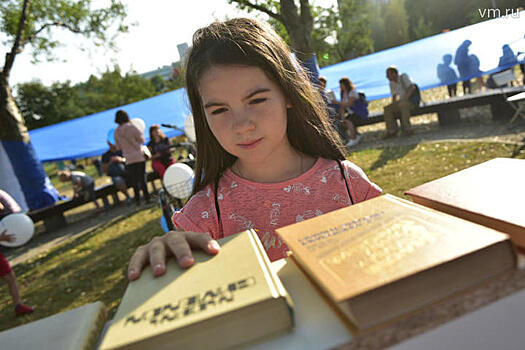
406,80
360,186
199,214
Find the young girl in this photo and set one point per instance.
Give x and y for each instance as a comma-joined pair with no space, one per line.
267,155
348,98
159,146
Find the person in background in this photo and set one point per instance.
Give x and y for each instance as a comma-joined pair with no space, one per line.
447,74
405,97
350,110
113,164
83,185
332,106
160,148
129,139
9,206
267,154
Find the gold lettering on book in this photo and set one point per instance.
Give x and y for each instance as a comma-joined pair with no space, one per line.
191,305
377,253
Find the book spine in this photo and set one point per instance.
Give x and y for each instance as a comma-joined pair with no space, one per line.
273,281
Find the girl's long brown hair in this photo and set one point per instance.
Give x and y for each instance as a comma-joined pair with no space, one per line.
247,42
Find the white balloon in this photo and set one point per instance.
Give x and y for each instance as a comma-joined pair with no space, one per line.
189,128
139,123
19,225
178,180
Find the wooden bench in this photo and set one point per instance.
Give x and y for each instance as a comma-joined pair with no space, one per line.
448,110
53,216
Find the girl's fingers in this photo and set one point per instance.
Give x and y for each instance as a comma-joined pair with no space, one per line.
203,241
179,246
137,263
157,256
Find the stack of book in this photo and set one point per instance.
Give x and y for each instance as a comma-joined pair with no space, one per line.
386,257
222,301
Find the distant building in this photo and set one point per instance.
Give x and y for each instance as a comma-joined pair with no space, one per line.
183,49
165,72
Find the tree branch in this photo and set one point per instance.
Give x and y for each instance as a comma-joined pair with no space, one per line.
260,8
53,24
10,57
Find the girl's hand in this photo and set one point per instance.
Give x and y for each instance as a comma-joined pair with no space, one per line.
176,243
5,237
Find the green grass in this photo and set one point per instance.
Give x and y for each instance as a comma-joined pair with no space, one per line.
93,266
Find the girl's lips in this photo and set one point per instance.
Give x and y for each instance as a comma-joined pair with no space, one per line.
250,144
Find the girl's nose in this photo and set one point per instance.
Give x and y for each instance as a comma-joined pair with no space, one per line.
243,122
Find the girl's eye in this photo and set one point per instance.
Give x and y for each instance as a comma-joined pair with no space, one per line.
218,111
257,100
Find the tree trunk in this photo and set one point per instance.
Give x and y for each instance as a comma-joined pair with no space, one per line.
38,190
299,25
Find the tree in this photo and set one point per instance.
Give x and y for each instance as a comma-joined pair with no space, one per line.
396,24
32,23
297,20
353,35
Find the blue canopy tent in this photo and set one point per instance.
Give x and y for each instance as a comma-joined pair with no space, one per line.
86,136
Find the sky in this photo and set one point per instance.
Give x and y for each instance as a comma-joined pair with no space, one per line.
152,43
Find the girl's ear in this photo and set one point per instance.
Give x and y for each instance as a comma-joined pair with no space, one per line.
288,104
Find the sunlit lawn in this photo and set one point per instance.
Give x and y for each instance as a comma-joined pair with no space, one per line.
93,267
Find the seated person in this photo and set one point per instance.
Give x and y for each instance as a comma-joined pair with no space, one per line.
83,185
9,206
160,148
351,108
405,97
113,164
332,106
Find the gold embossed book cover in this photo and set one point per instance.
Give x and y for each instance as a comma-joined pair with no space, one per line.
385,257
490,194
222,301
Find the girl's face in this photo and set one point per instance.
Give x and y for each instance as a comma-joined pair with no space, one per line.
246,112
342,87
156,135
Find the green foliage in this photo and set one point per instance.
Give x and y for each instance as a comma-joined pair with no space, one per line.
396,24
41,105
354,34
85,17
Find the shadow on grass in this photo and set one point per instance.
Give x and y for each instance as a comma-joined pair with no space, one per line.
391,153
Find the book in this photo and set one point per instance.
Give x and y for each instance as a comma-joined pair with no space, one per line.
222,301
76,329
386,257
489,194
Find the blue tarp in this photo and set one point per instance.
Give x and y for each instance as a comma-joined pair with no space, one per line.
86,136
420,59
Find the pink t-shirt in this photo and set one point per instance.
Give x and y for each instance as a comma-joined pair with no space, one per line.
265,207
129,139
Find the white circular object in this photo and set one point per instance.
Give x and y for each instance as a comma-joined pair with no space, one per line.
189,128
139,123
178,180
20,225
